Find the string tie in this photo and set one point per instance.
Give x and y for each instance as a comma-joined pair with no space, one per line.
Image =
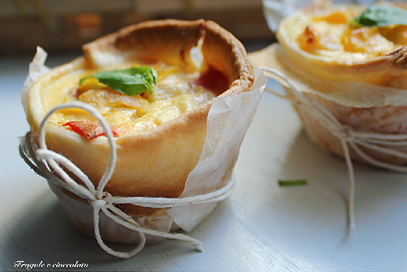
47,164
350,139
346,134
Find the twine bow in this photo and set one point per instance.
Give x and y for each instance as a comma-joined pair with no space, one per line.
46,163
349,138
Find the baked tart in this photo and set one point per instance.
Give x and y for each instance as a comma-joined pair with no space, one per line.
348,42
154,83
343,68
348,64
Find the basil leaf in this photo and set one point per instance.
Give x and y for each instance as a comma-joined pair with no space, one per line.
132,81
296,182
381,16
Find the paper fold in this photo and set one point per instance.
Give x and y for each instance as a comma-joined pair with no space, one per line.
228,122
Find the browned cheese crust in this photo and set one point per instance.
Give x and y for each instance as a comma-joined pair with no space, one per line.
374,70
155,163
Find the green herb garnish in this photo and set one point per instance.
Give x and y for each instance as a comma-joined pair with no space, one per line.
381,16
132,81
295,182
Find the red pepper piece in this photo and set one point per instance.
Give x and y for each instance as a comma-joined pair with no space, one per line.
214,81
89,129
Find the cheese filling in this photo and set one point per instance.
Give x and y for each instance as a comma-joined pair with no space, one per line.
330,35
176,92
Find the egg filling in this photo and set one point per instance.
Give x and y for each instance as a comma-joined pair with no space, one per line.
330,33
175,93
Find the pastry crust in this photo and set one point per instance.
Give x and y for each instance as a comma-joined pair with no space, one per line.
374,116
363,91
169,40
374,69
157,162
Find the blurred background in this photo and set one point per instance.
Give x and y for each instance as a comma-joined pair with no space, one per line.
61,26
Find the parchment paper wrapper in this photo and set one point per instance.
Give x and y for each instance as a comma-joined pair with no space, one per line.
228,121
354,120
359,106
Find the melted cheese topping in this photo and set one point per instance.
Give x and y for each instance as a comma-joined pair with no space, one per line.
328,34
174,94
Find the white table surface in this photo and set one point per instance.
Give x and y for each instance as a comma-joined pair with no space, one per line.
261,227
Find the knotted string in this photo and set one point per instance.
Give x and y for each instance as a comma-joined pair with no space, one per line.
349,138
46,163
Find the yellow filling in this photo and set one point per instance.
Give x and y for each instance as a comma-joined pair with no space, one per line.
174,94
331,35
